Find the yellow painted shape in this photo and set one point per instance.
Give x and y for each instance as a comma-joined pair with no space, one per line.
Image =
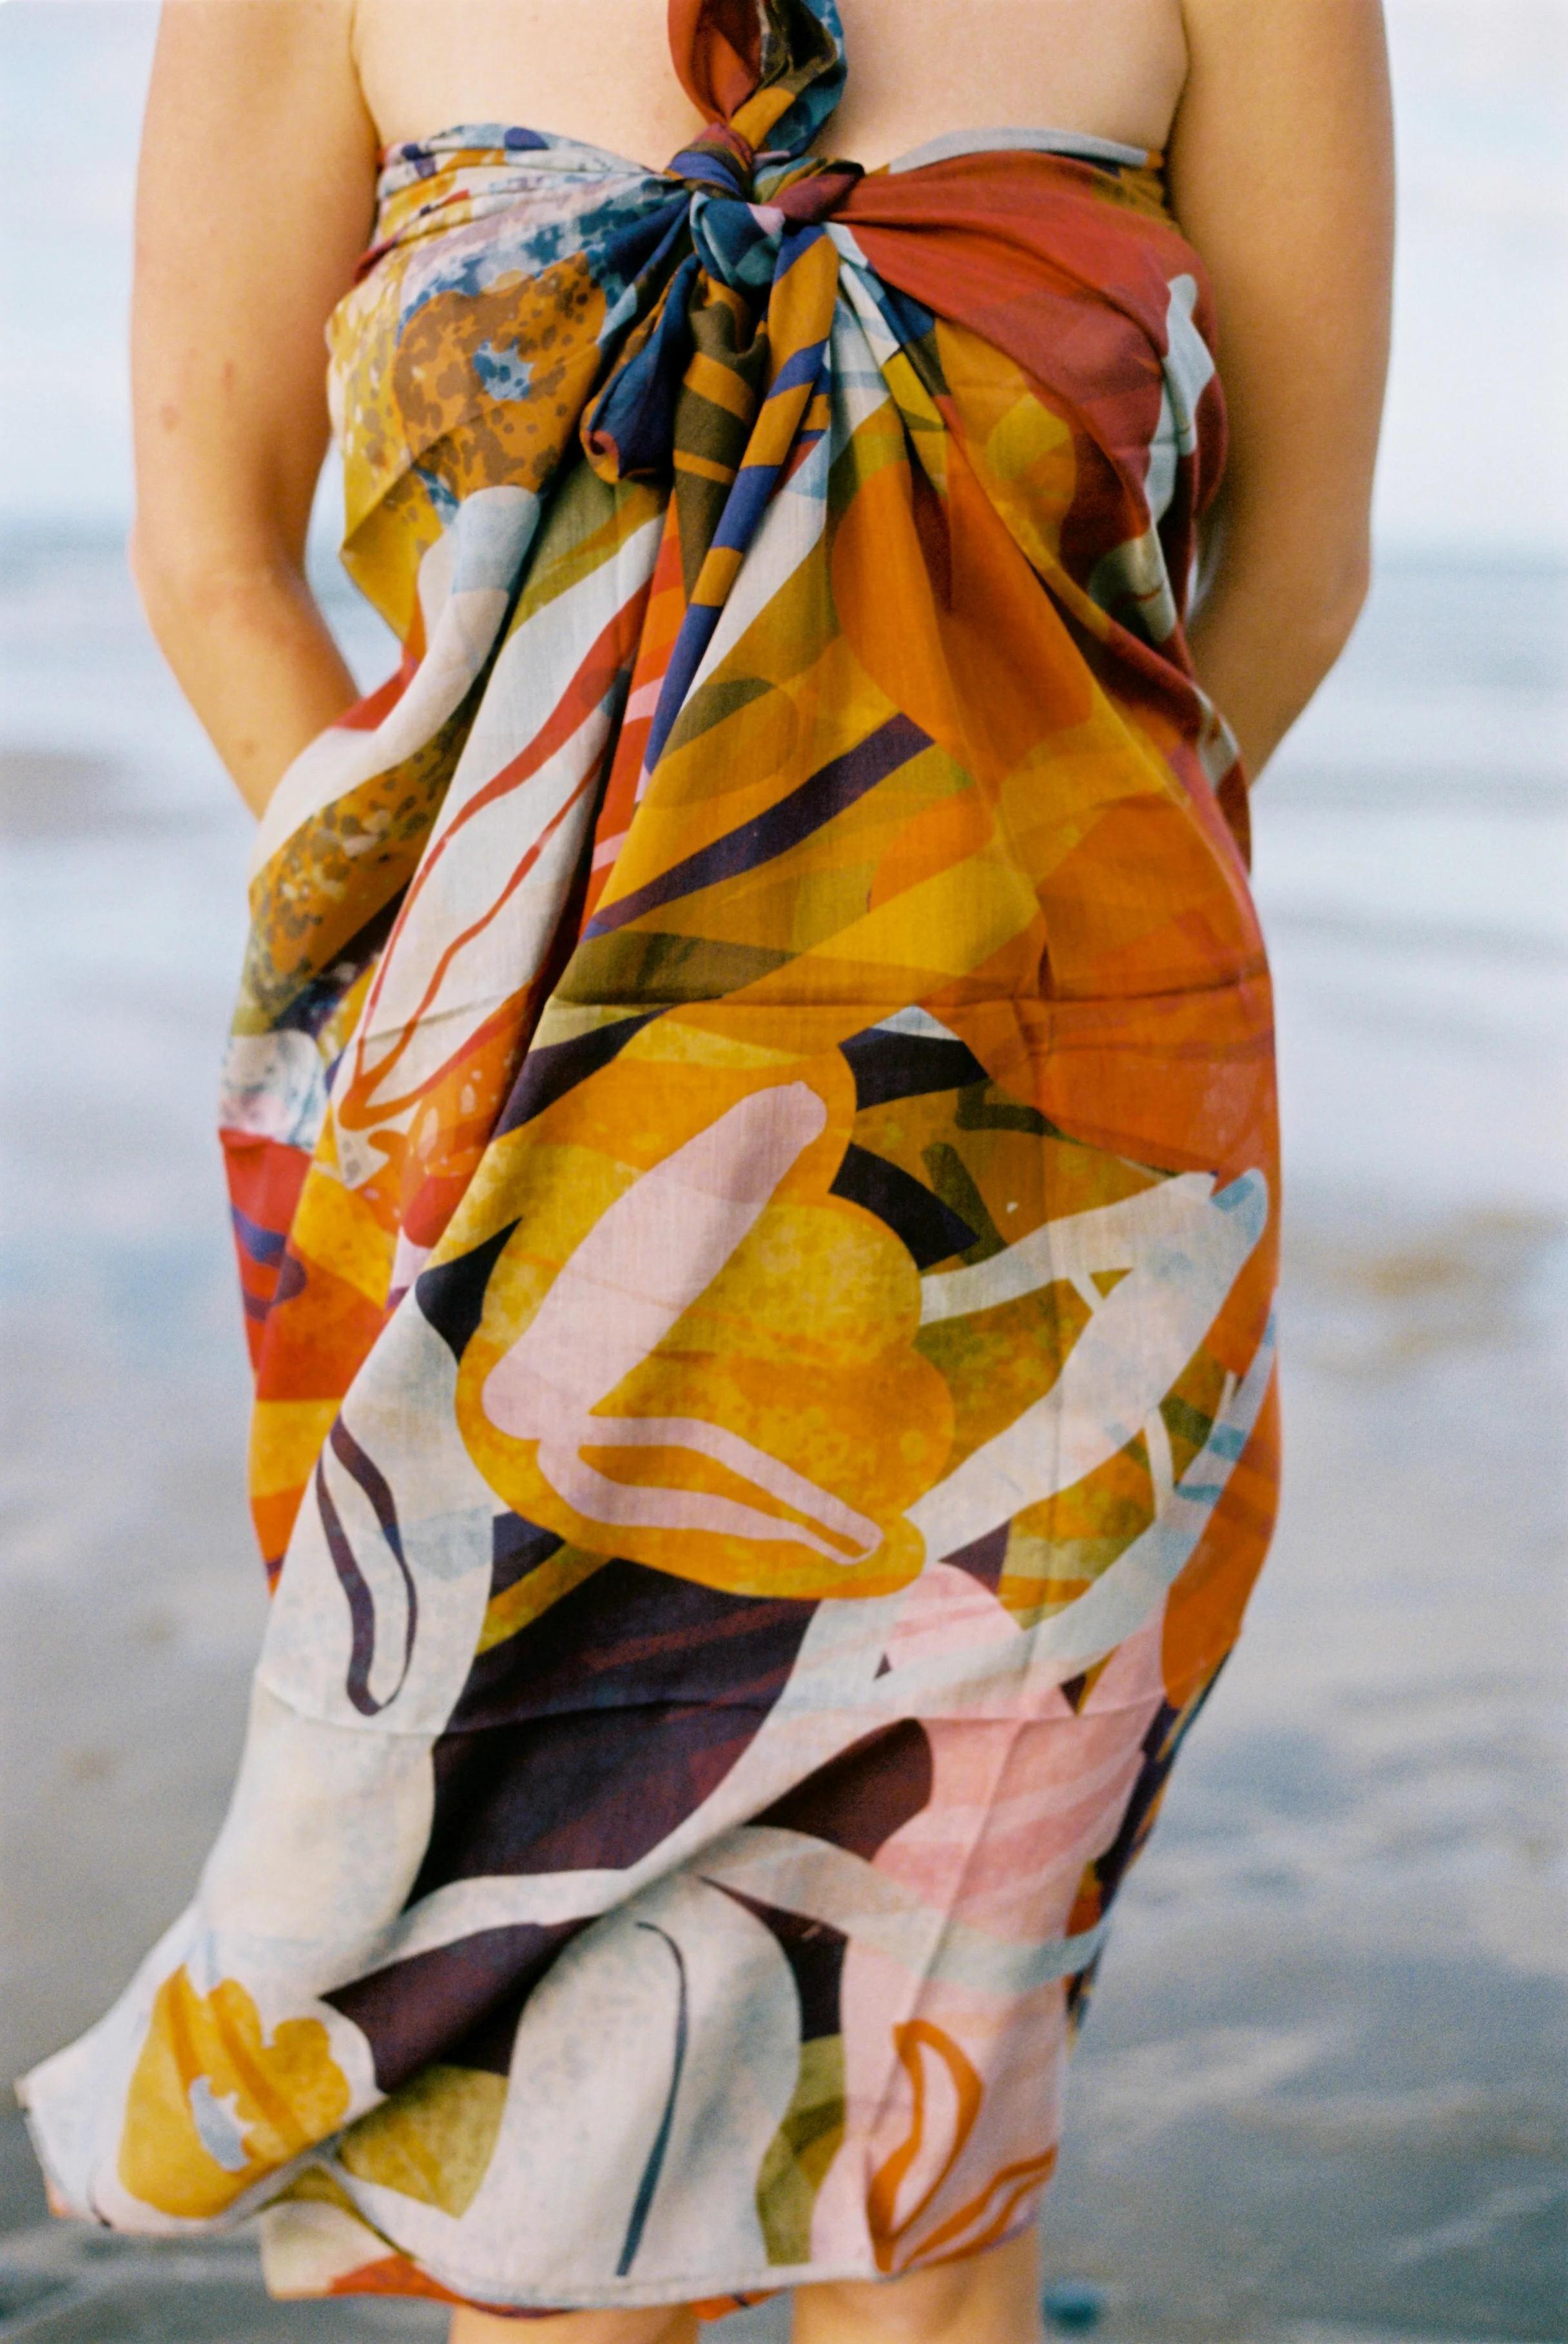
821,704
746,755
919,413
1027,441
675,1041
337,1229
281,2093
557,1187
817,1283
720,565
820,1408
285,1438
946,925
587,521
791,902
315,2185
433,2139
333,1036
1041,1578
1190,1407
1056,1549
996,1363
802,1345
795,2161
703,468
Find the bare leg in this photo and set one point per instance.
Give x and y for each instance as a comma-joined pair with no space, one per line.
664,2323
988,2299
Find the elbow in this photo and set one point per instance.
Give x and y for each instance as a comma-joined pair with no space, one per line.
168,567
191,577
167,582
1274,623
1320,604
175,564
1325,608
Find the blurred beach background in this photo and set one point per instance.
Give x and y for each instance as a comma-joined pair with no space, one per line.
1323,2096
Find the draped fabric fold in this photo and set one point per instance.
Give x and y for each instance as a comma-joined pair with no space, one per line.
750,1131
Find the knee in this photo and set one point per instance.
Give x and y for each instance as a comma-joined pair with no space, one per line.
917,2310
992,2297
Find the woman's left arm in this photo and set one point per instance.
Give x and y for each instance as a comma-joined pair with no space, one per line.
1282,173
254,198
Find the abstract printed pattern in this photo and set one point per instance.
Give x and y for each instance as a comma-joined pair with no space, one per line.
750,1122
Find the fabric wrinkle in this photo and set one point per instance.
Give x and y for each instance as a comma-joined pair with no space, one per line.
751,1133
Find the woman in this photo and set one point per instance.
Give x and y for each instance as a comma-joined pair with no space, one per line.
751,1113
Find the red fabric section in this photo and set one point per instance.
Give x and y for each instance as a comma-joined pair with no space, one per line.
716,49
1007,244
398,2274
265,1178
1036,254
367,714
971,238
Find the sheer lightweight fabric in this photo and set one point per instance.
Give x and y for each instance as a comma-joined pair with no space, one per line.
751,1126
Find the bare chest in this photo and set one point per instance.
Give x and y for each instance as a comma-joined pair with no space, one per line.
600,70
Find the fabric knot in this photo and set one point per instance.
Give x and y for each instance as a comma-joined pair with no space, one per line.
718,158
748,216
739,212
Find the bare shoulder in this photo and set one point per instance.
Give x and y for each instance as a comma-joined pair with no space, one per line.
205,43
1318,20
250,82
254,198
254,108
1281,153
1289,61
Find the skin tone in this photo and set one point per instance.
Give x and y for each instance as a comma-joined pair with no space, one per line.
262,127
988,2298
1118,64
256,198
1281,172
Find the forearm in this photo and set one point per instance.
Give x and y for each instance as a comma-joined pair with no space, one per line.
1267,632
251,652
1282,173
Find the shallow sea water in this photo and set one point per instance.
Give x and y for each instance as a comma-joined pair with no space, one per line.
1322,2095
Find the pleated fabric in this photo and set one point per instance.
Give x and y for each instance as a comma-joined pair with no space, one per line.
751,1126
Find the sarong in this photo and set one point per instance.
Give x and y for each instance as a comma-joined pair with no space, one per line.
752,1150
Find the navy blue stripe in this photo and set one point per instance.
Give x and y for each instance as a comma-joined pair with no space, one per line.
265,1245
369,1477
643,2201
830,790
802,366
908,1065
686,658
929,1228
553,1068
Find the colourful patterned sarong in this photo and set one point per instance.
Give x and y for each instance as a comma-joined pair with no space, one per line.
751,1120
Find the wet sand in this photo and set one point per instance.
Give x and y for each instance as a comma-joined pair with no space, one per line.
1321,2095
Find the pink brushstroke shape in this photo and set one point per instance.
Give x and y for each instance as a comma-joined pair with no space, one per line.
614,1299
1018,1806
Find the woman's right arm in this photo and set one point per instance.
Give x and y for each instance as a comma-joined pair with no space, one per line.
1281,168
254,198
